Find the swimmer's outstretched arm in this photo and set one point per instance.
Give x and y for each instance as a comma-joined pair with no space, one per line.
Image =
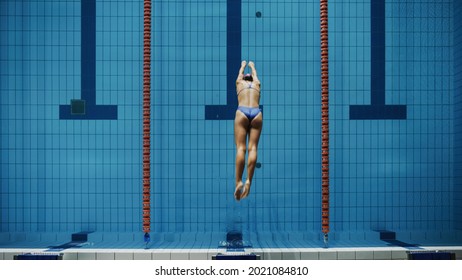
254,71
240,76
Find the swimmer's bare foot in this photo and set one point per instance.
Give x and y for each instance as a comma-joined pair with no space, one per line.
238,191
246,190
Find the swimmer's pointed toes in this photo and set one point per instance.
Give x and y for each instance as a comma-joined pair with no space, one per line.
238,192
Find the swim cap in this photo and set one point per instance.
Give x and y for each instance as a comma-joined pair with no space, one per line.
248,77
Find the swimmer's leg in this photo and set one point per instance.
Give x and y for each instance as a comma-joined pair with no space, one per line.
241,124
254,136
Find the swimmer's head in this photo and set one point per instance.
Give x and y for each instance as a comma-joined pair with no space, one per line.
248,77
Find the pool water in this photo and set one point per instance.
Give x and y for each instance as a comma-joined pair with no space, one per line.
71,123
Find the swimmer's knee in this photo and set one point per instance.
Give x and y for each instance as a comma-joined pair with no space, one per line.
252,149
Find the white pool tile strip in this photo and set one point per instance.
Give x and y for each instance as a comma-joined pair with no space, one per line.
363,253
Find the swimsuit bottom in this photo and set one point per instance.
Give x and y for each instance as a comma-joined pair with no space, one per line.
249,112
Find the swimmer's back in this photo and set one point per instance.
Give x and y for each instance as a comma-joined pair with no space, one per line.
248,93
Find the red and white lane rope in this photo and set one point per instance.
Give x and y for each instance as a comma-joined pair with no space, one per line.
147,120
325,117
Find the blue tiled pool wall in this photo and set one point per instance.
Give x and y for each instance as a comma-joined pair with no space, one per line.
457,114
71,175
393,174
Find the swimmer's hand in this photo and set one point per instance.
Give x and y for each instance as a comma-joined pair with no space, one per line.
251,64
243,63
